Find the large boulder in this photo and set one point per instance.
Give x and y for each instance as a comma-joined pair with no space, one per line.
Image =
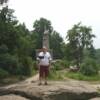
66,90
95,98
12,97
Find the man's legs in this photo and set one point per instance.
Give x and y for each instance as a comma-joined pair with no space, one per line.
46,71
40,80
40,75
43,74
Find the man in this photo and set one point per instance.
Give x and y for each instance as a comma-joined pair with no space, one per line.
44,59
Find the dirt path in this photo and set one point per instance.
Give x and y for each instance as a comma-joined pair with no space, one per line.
33,78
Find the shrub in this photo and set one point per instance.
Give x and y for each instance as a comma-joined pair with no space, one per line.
15,65
60,64
26,66
89,67
65,63
35,65
56,65
8,63
54,75
3,49
98,65
3,73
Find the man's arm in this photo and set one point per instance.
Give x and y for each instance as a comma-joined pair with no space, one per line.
38,61
50,59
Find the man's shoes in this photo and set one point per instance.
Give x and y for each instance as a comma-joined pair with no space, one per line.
45,83
40,84
32,81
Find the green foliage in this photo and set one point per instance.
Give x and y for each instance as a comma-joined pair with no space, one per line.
26,66
60,64
8,33
3,1
79,38
98,65
39,28
55,39
3,73
57,66
3,49
8,63
16,45
54,75
63,75
56,42
80,76
98,56
17,66
89,67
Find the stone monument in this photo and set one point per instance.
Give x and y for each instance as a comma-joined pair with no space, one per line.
45,42
46,39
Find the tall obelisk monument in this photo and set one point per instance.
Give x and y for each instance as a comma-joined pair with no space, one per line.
46,39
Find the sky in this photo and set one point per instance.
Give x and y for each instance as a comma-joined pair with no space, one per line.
63,14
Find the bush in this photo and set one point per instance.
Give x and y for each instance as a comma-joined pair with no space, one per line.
98,65
65,63
26,66
15,65
3,73
60,64
35,65
80,76
8,63
55,75
3,49
89,67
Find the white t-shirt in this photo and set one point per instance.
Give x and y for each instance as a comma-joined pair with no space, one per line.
46,57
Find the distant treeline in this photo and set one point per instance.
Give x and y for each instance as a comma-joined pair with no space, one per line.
18,44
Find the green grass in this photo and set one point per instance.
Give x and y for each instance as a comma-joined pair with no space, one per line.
55,75
11,79
79,76
59,75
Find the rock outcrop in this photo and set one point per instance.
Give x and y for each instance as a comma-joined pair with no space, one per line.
95,99
12,97
55,90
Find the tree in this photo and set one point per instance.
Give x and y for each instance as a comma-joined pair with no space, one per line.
39,28
68,55
55,39
15,44
25,43
56,43
3,1
8,33
79,38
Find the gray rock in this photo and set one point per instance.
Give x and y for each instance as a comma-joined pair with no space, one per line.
95,98
12,97
55,90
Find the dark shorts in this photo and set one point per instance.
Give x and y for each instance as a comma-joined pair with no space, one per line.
44,71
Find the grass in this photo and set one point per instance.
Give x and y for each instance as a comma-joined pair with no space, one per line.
55,75
79,76
11,79
15,78
59,75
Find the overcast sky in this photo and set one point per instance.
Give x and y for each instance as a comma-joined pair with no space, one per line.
62,14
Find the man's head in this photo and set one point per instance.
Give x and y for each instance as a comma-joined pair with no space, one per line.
44,49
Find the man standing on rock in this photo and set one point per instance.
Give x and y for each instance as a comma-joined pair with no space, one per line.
44,60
